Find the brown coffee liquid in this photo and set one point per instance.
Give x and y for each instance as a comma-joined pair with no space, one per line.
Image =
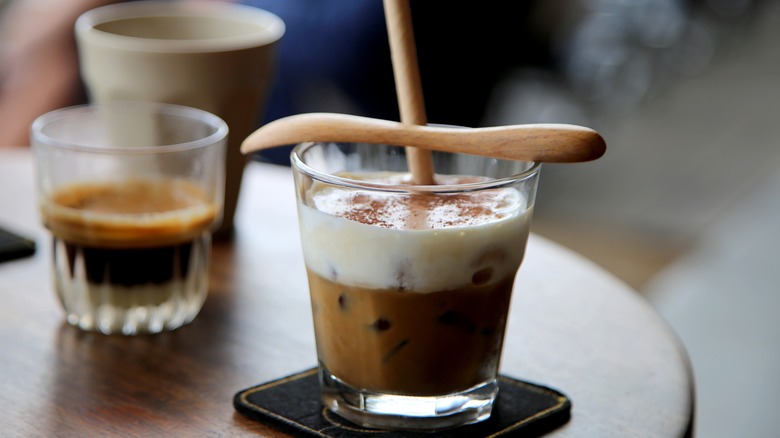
412,343
129,233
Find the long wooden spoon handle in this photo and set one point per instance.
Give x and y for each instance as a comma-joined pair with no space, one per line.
552,143
408,84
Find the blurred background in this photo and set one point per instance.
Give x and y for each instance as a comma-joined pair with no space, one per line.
685,205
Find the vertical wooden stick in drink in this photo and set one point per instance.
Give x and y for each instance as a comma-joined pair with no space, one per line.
407,83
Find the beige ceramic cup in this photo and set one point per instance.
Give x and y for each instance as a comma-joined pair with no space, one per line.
215,56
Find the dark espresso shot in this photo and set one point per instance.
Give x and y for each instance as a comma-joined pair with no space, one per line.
131,256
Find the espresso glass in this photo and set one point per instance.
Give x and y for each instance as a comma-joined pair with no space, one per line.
131,192
410,285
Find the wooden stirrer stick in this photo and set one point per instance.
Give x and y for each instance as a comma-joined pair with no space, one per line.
408,86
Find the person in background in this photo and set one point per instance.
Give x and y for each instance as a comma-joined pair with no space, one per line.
334,57
38,63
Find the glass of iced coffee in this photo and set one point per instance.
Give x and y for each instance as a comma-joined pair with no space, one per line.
131,192
410,285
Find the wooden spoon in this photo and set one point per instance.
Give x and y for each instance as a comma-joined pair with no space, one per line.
551,143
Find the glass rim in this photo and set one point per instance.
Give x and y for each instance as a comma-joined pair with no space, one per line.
220,128
298,163
270,27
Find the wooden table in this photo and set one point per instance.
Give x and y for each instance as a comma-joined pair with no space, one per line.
572,327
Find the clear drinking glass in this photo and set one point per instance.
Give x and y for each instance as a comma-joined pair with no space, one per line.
131,192
410,285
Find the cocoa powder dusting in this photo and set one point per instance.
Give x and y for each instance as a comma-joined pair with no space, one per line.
415,211
421,211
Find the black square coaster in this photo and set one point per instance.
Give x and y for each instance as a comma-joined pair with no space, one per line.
293,404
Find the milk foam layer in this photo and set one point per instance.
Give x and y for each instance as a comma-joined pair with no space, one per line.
471,238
